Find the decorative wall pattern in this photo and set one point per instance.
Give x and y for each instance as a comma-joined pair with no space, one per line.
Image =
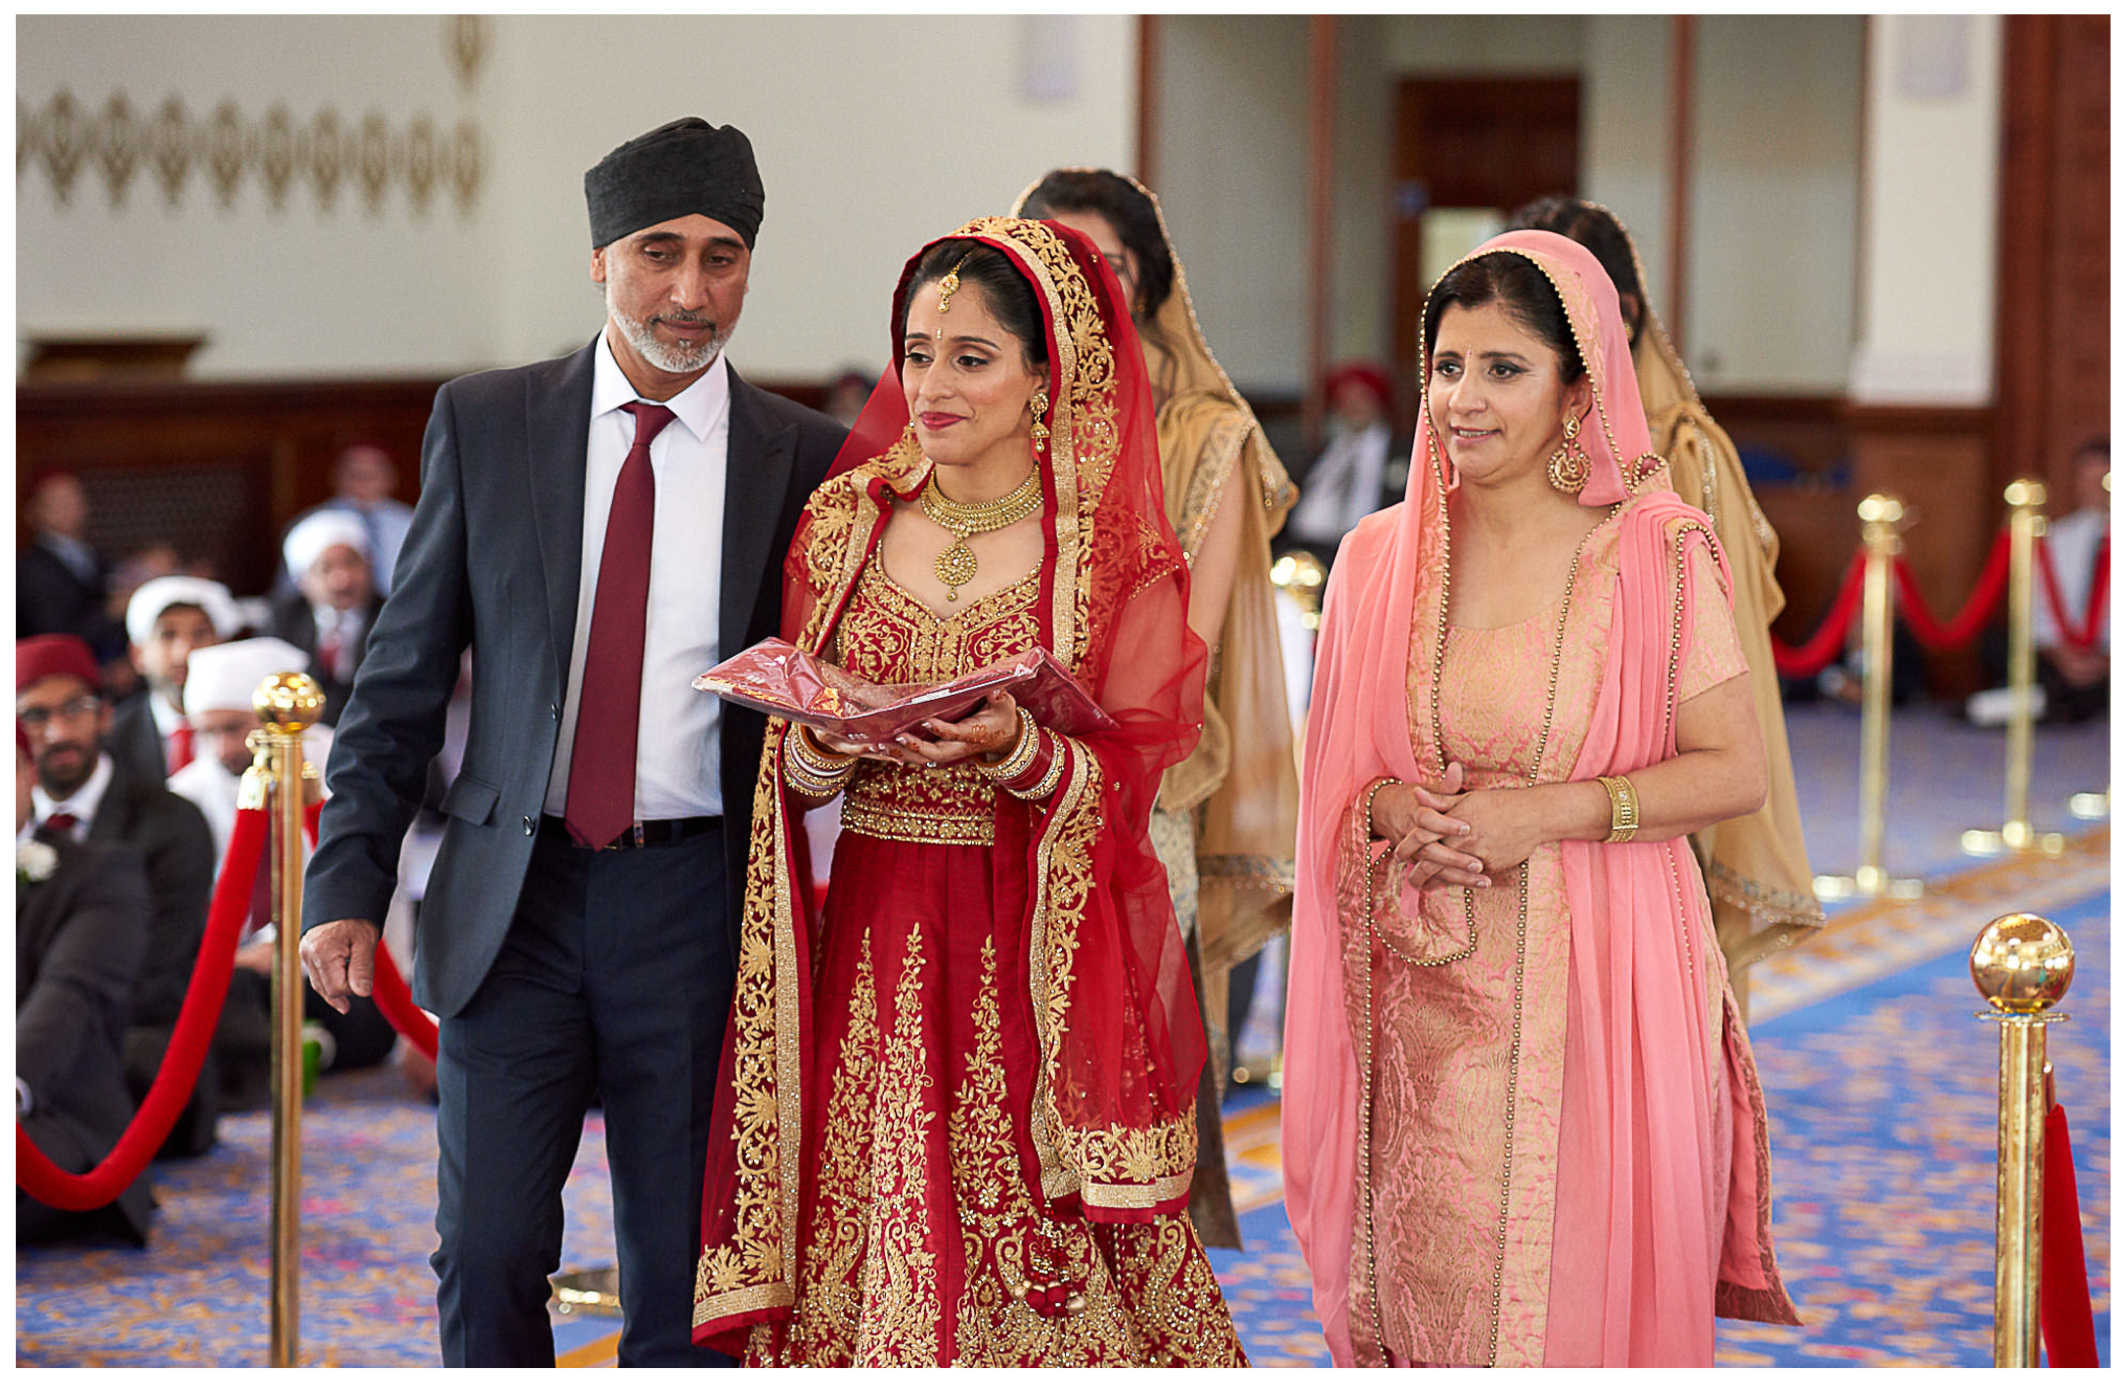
119,143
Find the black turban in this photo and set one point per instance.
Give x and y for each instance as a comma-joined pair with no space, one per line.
683,168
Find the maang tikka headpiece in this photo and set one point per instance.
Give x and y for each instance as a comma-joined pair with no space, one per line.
949,284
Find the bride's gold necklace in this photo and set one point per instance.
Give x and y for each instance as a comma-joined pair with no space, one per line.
956,564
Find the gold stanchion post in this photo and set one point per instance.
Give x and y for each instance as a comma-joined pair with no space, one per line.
2017,836
2022,964
1882,515
287,703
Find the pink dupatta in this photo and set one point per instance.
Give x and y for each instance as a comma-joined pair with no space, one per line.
1358,732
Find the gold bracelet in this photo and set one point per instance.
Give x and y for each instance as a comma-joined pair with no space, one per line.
1622,810
1371,831
1058,762
1021,754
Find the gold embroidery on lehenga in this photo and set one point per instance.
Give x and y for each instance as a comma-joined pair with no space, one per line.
829,1314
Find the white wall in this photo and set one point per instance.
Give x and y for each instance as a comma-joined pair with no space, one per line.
873,134
295,291
1232,176
1625,134
1774,206
1931,242
868,142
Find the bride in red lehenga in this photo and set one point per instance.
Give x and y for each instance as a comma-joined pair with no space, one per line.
963,1123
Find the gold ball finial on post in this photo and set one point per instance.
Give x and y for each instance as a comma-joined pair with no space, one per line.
2022,963
290,702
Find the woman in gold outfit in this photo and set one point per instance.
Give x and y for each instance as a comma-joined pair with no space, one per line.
964,1126
1227,819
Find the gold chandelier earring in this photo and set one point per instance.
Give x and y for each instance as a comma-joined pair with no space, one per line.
1569,466
1040,434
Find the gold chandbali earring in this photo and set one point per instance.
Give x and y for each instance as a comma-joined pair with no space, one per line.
1040,434
948,285
1570,467
956,564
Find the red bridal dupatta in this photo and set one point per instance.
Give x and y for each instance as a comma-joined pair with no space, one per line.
1666,986
1120,1041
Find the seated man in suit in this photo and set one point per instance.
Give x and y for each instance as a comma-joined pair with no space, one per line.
165,620
60,580
81,920
335,604
82,793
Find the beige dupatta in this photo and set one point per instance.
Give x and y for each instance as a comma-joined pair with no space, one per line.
1755,866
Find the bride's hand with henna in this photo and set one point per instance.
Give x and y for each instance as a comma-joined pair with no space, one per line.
991,730
1415,818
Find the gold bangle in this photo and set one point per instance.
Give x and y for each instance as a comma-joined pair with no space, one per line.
1371,831
812,768
1622,810
1021,754
1058,762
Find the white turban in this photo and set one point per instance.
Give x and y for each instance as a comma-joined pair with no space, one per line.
226,675
153,597
317,534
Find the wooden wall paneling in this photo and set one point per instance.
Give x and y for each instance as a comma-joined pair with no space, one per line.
1940,462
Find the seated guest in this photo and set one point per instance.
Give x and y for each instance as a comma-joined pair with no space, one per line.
217,698
1362,468
2075,679
364,479
60,580
165,620
82,793
335,601
81,920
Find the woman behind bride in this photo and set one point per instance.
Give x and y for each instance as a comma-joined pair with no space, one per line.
964,1124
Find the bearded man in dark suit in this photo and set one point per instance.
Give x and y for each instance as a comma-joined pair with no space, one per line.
598,530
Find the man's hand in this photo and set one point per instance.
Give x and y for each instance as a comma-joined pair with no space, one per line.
340,959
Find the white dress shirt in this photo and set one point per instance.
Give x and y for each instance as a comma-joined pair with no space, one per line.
1342,487
81,805
2074,540
212,788
678,747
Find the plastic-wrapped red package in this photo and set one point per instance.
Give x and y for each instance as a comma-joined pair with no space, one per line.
778,677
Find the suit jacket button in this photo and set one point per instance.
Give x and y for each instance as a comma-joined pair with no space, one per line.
555,708
530,826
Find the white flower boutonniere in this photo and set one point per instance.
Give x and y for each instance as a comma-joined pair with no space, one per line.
34,861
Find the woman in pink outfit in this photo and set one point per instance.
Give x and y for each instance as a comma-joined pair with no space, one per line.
1522,1124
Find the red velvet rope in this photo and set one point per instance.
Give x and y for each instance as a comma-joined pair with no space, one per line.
1976,612
2068,1314
2080,635
1827,642
393,999
36,1173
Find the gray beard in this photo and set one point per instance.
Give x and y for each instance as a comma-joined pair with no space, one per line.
672,359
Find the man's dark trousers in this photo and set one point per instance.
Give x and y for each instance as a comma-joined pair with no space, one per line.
615,979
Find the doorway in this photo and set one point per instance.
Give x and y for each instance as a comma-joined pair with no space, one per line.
1469,151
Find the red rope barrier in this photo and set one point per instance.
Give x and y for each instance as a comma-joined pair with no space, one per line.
2068,1314
1976,612
36,1173
1822,648
2081,634
393,999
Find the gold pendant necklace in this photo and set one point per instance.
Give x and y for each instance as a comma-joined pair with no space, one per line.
956,564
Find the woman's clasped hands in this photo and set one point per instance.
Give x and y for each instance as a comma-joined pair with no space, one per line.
1444,833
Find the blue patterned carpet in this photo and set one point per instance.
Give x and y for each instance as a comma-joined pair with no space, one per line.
1881,1083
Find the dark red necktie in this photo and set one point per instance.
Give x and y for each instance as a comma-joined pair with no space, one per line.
61,823
608,711
180,746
